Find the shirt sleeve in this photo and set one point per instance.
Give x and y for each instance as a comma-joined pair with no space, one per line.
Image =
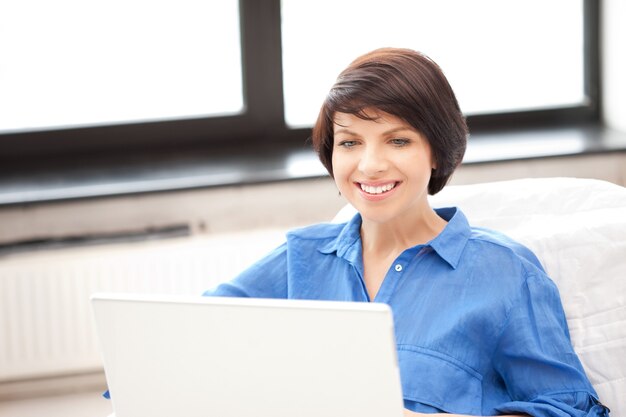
536,360
267,278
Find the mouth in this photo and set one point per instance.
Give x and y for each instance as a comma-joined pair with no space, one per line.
378,189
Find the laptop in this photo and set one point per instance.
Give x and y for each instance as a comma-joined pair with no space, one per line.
193,356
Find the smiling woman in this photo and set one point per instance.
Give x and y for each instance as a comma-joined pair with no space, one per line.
381,166
410,86
479,326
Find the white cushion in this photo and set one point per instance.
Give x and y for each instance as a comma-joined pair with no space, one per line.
577,229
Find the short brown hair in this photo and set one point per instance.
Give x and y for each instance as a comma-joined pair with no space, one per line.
405,84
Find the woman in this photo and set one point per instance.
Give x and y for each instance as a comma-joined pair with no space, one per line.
479,326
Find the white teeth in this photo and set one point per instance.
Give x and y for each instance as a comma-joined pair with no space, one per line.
379,189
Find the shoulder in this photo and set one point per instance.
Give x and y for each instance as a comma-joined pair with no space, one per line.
492,243
497,258
478,248
317,232
510,271
325,238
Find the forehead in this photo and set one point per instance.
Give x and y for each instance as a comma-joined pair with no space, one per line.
369,118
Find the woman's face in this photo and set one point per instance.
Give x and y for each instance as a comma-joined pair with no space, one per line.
381,166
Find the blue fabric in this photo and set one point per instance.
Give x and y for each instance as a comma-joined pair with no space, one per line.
479,326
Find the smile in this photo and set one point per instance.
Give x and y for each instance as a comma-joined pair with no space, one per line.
378,189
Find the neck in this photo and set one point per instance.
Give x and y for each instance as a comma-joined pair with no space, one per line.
399,234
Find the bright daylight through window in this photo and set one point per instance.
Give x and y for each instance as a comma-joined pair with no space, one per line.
69,63
498,55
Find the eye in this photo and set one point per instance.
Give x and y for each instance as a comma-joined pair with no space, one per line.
399,142
347,143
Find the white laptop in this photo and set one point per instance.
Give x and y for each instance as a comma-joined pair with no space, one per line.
167,356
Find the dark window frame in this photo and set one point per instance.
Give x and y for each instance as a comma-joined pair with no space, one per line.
261,128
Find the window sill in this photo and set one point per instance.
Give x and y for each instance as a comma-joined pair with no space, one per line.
179,172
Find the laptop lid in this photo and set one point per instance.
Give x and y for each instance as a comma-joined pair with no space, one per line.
205,356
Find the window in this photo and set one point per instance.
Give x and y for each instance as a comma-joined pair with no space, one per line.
85,63
105,81
499,56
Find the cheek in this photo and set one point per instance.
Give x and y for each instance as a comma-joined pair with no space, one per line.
341,171
338,173
337,164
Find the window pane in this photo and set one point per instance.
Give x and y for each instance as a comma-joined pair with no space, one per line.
498,55
82,62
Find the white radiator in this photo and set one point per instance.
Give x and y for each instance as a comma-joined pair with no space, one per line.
45,316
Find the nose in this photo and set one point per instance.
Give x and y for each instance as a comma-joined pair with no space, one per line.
372,161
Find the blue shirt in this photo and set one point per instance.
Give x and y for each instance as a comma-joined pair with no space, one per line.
480,328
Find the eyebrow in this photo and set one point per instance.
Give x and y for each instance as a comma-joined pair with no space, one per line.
388,132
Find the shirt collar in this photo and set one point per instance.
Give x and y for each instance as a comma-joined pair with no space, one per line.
347,244
449,244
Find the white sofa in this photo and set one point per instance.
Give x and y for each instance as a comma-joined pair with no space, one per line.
577,229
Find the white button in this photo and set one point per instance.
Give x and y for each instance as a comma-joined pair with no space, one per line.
398,267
